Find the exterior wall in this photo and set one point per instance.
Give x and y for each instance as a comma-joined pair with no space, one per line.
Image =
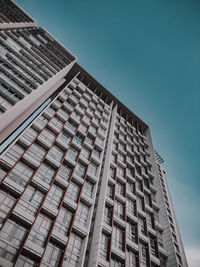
80,186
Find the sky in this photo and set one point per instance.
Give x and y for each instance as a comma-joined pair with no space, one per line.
147,53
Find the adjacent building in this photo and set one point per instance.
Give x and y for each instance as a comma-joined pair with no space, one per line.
80,185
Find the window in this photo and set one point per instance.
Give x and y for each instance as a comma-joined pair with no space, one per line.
72,153
112,173
119,209
120,188
131,232
131,258
65,137
130,171
116,262
142,225
122,146
71,125
130,186
110,191
79,139
40,230
13,154
33,196
99,140
113,158
153,246
159,238
35,152
93,129
140,203
80,170
45,173
82,213
130,158
96,152
139,185
89,139
42,120
85,153
64,172
108,215
6,203
92,168
88,188
3,173
57,122
131,206
73,252
143,255
52,255
147,199
54,196
25,262
120,171
63,221
121,157
14,234
56,153
73,191
83,128
138,169
20,174
105,241
76,116
149,219
48,136
30,135
118,237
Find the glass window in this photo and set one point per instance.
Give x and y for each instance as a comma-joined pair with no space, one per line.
142,225
30,135
64,220
48,136
92,168
52,255
120,171
118,237
25,262
71,125
130,186
73,191
35,152
153,246
131,258
57,122
56,153
45,173
40,230
73,252
89,139
143,255
72,153
108,215
112,173
20,174
79,139
121,157
14,234
131,231
96,152
65,137
110,191
119,209
80,170
33,196
82,213
64,172
131,206
105,240
6,203
116,262
120,188
54,196
88,188
14,153
85,153
140,203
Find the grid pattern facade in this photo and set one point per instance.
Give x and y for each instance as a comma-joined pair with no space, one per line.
80,186
11,13
28,58
49,179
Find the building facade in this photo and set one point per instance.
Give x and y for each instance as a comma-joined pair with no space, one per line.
80,185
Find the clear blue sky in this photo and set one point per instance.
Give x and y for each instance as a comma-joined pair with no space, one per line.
147,53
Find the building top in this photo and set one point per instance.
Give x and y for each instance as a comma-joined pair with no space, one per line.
12,16
93,84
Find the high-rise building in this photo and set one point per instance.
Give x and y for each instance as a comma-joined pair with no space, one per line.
81,184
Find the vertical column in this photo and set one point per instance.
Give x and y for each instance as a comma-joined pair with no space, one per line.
96,238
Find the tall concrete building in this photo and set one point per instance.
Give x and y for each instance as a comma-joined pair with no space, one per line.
81,185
